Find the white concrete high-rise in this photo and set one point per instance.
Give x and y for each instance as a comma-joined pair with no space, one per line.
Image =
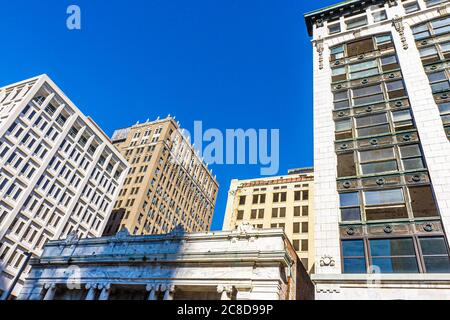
59,173
382,155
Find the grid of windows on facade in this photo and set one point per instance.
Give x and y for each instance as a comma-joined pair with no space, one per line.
433,42
162,190
382,175
360,17
61,170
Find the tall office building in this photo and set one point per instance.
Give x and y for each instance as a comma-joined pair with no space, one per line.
277,202
168,184
59,173
382,157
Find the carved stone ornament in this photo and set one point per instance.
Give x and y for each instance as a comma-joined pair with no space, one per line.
245,227
327,261
319,49
397,22
392,3
72,238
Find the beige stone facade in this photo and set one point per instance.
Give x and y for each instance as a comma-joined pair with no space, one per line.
168,184
277,202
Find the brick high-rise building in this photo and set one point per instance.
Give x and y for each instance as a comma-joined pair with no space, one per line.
168,184
382,157
59,173
277,202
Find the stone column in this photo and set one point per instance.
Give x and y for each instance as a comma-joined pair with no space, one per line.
91,293
106,289
225,292
51,290
152,291
168,290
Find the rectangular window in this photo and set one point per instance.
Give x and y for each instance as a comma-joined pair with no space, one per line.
356,23
411,157
341,100
372,125
334,28
394,255
439,82
411,7
350,207
379,16
344,129
435,255
363,69
384,197
354,257
337,52
378,161
421,32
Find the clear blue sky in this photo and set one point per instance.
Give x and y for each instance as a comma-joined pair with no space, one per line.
229,63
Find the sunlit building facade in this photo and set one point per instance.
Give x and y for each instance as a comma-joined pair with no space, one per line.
382,155
59,174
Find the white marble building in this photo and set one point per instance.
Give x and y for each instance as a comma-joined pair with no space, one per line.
381,94
235,265
59,173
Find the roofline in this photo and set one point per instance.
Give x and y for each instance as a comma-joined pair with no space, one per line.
318,14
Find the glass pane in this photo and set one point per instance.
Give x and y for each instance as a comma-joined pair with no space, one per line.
421,28
396,265
428,51
364,74
341,95
422,35
445,46
358,22
368,100
379,167
383,39
379,154
371,120
366,132
343,125
341,105
410,151
441,23
395,85
413,164
355,266
433,246
363,66
338,71
338,49
351,214
402,115
437,76
392,247
384,197
366,91
440,86
437,264
388,60
444,108
349,199
353,248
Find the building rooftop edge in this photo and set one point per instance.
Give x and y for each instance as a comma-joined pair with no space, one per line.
312,16
126,237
